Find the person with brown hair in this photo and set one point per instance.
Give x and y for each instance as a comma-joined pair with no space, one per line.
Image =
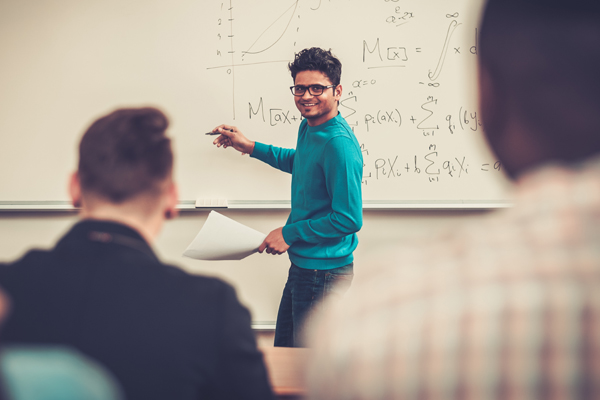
507,306
164,334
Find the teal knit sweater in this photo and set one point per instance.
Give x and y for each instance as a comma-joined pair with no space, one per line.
326,168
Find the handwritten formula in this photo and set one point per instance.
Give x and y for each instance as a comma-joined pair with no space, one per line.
408,79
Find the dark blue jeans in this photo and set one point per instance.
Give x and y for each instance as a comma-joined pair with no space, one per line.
304,291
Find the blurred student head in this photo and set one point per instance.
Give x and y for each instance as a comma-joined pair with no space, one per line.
125,167
539,83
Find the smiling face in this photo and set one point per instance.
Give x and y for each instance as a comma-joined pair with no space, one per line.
317,109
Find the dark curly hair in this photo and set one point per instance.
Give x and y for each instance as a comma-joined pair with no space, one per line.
316,59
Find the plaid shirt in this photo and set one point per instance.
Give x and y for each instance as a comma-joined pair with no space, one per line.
507,307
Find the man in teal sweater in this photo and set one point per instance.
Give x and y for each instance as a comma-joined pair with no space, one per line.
326,168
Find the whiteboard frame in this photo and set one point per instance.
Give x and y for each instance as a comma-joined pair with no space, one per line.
190,205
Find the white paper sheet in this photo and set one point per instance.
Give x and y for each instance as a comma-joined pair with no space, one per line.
222,238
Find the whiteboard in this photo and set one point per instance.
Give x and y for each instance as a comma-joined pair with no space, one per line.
408,78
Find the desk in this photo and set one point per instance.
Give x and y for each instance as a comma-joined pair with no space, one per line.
286,368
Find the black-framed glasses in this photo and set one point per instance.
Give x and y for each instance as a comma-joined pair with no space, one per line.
314,90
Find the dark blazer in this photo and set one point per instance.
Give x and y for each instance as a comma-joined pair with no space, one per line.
163,333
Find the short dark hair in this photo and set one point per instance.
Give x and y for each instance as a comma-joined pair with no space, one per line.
543,57
316,59
125,153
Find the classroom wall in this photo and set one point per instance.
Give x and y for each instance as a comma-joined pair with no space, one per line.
259,279
69,61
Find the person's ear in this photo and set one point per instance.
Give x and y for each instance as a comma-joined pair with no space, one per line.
337,94
75,190
172,194
4,306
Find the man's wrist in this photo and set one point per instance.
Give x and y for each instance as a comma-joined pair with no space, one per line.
251,148
287,235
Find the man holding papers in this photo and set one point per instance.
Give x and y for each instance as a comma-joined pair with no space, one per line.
163,333
326,168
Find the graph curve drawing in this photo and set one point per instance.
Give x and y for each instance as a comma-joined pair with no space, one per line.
292,12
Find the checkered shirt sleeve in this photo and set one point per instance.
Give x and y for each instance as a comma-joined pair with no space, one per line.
507,307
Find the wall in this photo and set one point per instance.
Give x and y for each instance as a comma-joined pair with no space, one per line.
409,94
259,279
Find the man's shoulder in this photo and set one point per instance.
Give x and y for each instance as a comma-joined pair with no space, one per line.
37,263
340,139
340,133
32,257
338,126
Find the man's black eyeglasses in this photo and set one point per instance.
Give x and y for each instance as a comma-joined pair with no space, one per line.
314,90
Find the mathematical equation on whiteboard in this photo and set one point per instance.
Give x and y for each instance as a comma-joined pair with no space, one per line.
431,164
464,119
402,90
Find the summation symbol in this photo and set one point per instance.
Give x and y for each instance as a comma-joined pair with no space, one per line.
351,111
430,100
